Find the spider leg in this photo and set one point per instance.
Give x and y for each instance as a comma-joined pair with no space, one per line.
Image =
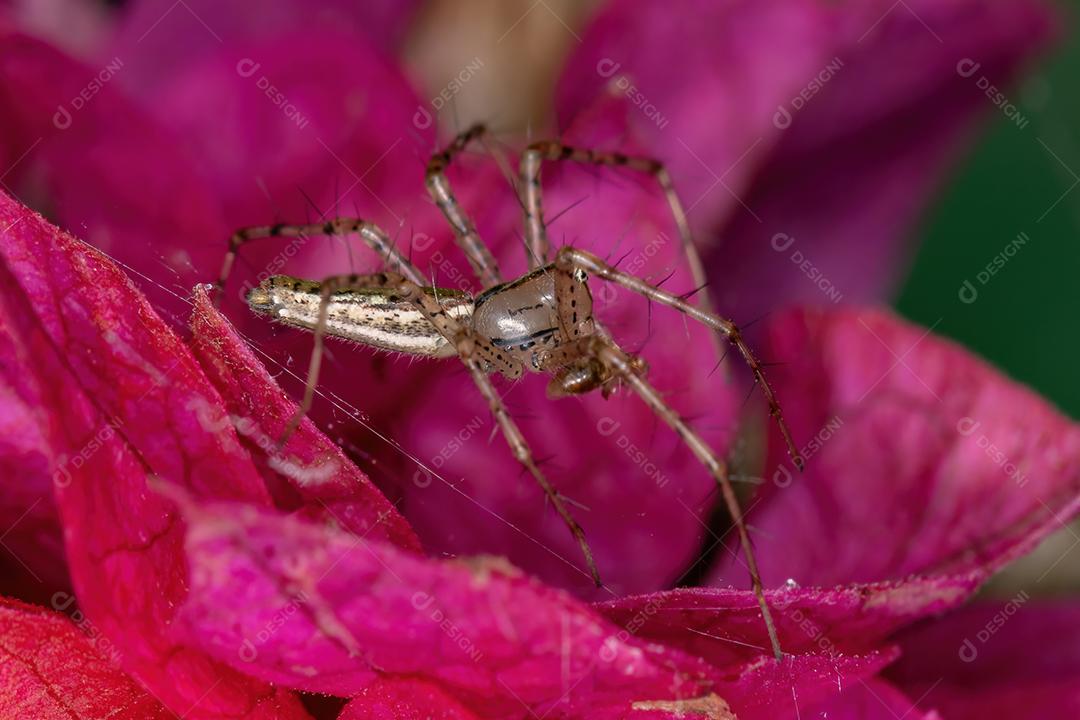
570,258
623,366
478,355
480,258
535,230
372,235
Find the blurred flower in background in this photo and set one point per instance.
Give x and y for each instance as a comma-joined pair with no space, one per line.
805,138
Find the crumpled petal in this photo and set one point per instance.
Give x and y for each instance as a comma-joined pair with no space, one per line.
48,669
120,395
1017,658
311,475
921,459
831,143
724,626
321,610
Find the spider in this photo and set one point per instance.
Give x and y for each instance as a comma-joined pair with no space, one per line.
541,322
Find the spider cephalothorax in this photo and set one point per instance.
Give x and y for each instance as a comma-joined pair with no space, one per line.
540,322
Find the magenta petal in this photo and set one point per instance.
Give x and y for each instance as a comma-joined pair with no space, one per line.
318,609
839,138
404,699
277,134
711,119
1018,659
107,170
312,475
49,669
118,392
842,190
724,626
921,458
159,38
314,608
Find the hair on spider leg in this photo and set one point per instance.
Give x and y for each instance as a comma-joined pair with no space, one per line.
552,220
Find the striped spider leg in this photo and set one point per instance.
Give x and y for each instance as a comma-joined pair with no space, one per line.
372,235
536,238
594,361
540,322
391,312
480,258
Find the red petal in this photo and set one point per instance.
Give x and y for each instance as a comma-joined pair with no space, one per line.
404,699
1018,659
48,669
121,395
312,475
921,458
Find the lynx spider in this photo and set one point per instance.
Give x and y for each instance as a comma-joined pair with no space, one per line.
541,321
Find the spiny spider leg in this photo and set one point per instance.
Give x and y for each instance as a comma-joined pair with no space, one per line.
480,258
629,371
568,259
475,352
372,235
536,232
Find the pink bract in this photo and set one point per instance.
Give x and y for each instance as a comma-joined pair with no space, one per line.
233,580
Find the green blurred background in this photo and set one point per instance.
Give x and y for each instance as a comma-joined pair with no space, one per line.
1022,319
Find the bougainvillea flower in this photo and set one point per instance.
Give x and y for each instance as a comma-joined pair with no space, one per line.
171,180
225,573
235,581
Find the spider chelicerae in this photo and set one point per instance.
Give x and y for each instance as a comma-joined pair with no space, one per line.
540,322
